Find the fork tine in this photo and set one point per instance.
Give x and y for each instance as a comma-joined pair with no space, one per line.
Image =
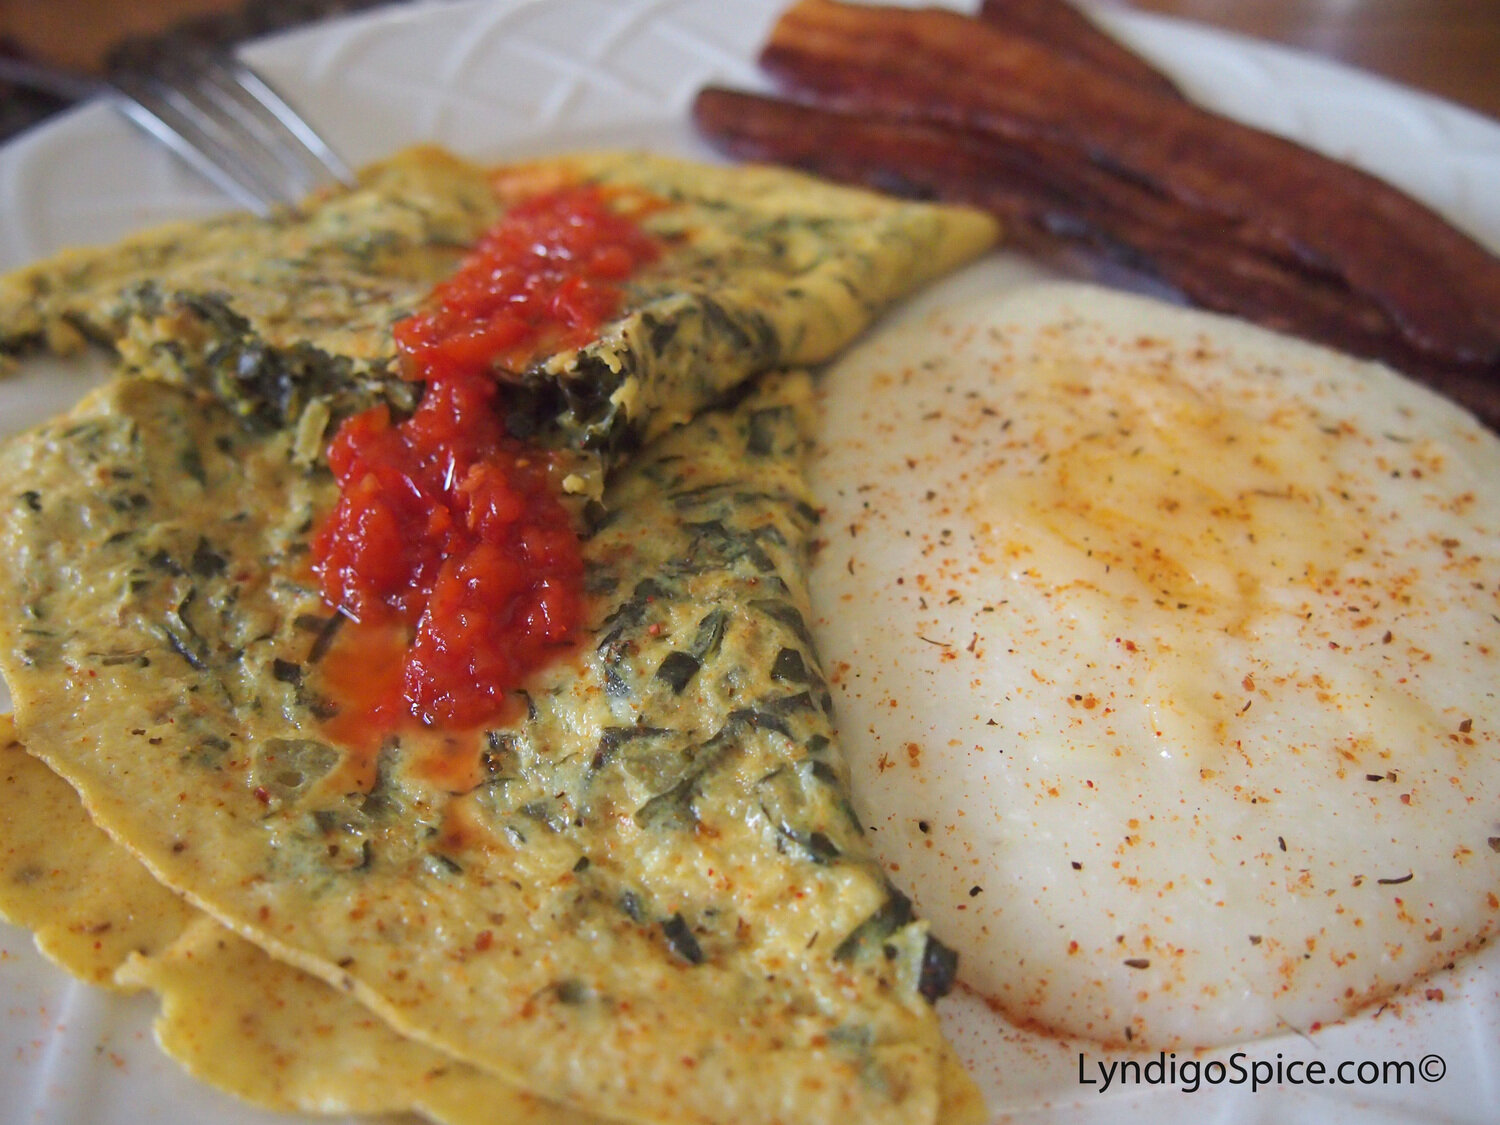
266,100
231,126
279,156
173,120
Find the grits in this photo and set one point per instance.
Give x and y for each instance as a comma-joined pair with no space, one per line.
1175,644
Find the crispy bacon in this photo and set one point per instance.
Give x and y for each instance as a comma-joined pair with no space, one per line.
1442,290
1076,152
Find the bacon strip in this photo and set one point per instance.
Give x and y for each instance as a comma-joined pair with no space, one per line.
1439,289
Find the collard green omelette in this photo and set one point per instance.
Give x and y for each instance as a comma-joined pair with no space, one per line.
640,890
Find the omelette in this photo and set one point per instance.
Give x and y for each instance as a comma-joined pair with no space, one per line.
642,891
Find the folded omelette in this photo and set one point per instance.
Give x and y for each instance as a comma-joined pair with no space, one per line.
643,894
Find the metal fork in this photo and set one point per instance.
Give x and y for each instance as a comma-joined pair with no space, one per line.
215,113
226,121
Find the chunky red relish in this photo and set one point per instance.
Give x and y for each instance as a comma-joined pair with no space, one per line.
445,526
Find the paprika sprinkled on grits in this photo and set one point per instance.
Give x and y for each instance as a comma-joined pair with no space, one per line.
1195,677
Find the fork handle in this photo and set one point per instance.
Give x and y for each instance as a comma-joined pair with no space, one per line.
69,85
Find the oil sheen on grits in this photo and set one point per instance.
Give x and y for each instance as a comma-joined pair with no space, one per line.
1166,651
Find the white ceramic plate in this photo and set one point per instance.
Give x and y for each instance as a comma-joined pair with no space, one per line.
510,78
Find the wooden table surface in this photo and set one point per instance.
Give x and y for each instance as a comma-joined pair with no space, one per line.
1447,47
